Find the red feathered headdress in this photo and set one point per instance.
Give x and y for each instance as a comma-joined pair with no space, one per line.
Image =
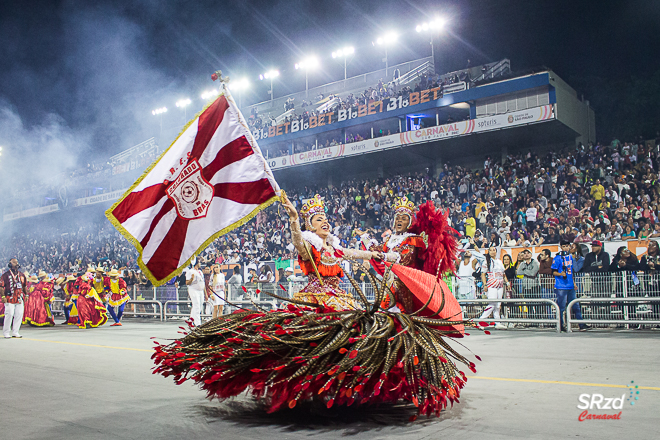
440,254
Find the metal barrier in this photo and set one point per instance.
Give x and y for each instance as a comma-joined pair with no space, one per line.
133,312
53,310
167,314
625,302
619,298
554,321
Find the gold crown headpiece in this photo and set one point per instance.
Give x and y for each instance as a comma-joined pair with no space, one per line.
311,207
404,206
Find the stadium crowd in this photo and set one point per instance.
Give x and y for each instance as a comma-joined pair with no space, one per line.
594,192
334,102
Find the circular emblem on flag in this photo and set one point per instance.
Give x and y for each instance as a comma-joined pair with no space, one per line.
190,192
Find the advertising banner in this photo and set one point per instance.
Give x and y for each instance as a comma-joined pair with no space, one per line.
384,106
429,134
30,212
106,197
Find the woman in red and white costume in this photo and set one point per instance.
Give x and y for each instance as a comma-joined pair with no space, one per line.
492,275
424,242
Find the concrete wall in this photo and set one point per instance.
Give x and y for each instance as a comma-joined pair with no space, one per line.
574,112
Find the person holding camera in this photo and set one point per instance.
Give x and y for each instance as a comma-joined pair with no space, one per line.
562,269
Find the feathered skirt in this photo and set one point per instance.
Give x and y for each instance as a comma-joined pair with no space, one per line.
306,351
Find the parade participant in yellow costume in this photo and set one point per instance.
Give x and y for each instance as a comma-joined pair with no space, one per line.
100,284
116,287
70,300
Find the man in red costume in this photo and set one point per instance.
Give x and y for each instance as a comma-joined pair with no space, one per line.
37,306
13,289
116,287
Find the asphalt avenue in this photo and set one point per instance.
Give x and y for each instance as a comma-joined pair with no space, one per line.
66,383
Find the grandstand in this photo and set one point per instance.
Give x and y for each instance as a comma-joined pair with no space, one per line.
419,120
371,125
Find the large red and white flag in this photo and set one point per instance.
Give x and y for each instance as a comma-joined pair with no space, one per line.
212,179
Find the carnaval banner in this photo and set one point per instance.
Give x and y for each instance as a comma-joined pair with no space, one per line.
211,180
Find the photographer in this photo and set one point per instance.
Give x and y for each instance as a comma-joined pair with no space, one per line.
562,269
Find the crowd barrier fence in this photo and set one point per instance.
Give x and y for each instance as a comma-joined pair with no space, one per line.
606,300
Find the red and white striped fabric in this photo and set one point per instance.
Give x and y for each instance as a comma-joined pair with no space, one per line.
212,179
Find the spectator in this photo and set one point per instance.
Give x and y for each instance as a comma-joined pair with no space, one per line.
492,275
266,275
596,261
562,269
470,226
466,269
530,215
509,274
629,234
528,269
578,257
597,192
236,278
624,260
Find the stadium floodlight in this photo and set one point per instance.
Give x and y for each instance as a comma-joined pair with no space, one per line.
183,103
437,25
160,111
239,85
209,94
270,75
344,52
309,63
386,40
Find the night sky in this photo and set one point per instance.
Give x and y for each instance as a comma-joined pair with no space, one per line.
80,78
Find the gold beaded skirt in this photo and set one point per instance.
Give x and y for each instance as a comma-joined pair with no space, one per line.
329,294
